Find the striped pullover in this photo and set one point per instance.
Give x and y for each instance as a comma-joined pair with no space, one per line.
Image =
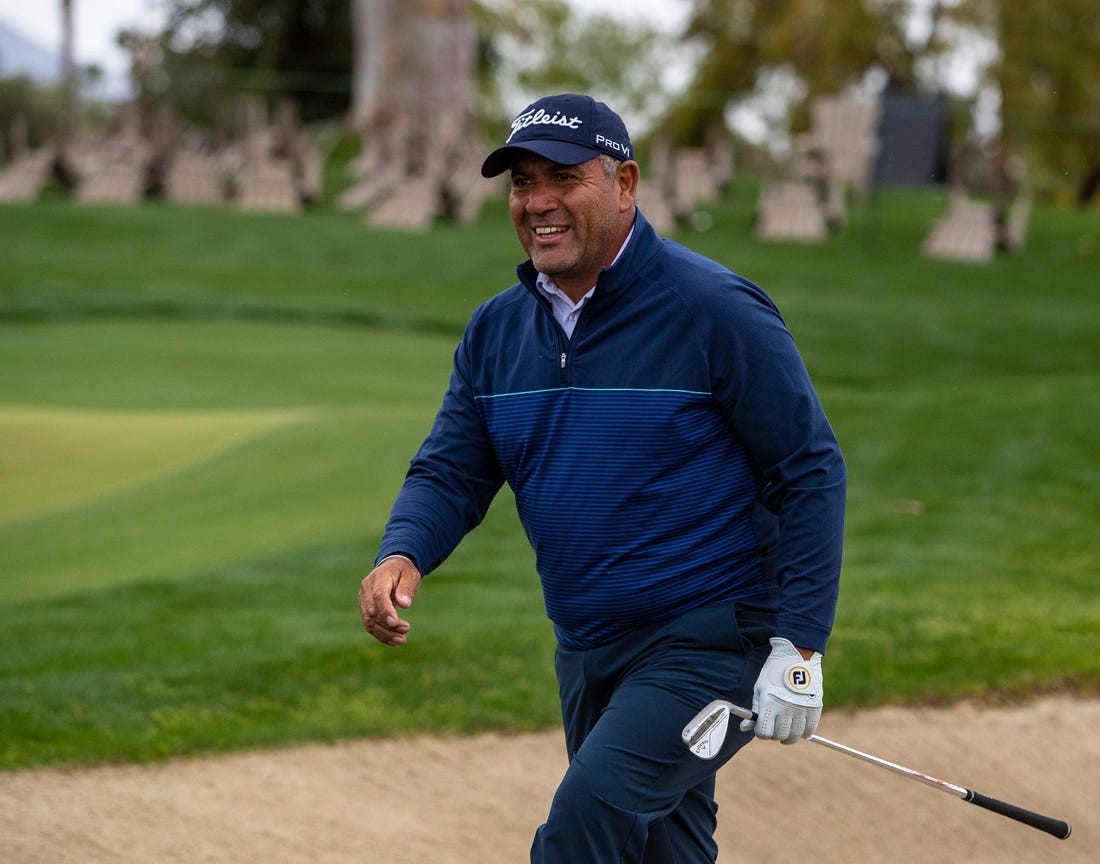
671,454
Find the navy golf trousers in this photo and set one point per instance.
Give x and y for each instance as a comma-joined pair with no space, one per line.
633,793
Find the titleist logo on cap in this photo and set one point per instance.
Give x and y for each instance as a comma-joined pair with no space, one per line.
542,118
568,129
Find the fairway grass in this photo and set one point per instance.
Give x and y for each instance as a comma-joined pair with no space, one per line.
205,417
53,459
169,479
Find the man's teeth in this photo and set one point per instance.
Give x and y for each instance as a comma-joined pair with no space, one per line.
545,232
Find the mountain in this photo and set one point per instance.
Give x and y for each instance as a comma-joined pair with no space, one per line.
20,56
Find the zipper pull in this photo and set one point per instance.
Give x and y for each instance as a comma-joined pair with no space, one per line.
563,360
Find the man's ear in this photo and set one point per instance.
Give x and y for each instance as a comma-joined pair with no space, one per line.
627,177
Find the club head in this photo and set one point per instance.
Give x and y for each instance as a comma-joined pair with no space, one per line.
706,731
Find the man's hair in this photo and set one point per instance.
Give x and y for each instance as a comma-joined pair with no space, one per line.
610,164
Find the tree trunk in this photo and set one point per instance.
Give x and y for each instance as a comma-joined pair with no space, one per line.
414,94
68,64
62,168
1091,184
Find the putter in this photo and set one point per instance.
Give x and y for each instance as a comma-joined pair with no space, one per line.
706,731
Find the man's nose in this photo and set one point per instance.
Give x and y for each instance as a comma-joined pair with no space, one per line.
541,199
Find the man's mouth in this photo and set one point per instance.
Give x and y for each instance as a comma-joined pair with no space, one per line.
544,231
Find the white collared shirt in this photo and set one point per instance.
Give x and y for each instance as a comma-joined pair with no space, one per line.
566,312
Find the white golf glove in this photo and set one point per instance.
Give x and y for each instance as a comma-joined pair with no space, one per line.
787,696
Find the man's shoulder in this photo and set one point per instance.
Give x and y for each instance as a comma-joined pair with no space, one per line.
701,281
516,294
501,306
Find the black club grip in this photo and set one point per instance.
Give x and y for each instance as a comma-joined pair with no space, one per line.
1055,827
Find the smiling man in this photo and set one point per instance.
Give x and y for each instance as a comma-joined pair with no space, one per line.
674,471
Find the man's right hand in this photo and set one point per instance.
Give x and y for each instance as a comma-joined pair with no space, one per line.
389,586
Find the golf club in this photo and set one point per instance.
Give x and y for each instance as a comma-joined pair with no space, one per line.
707,730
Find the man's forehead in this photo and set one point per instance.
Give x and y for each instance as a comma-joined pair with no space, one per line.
532,163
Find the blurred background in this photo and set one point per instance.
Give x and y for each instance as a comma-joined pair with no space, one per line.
992,94
239,240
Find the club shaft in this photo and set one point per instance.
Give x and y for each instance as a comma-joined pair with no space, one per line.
928,780
1055,827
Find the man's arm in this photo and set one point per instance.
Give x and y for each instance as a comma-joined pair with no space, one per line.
449,486
451,480
766,392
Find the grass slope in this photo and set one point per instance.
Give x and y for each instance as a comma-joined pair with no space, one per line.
57,458
204,418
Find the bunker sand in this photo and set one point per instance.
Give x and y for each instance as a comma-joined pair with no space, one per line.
477,800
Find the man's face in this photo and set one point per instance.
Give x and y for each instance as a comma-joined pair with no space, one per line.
571,219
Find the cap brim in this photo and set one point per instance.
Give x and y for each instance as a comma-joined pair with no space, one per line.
562,152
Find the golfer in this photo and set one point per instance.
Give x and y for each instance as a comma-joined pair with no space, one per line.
673,470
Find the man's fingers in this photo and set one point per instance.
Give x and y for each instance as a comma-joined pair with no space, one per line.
382,620
374,604
381,604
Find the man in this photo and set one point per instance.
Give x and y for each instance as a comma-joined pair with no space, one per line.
673,470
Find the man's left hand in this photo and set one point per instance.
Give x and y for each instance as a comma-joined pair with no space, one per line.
787,698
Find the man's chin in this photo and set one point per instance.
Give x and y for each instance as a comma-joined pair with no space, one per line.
551,265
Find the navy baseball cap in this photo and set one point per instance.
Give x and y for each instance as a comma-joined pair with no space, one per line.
567,129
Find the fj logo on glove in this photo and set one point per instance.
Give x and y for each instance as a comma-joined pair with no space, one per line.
798,678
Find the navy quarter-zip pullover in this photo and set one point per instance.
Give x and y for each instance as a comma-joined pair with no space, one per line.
670,455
